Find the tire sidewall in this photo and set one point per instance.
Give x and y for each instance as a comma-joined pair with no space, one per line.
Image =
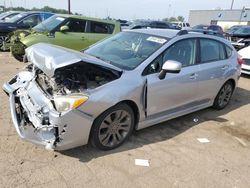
94,137
216,104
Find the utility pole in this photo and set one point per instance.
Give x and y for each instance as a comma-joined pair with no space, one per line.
232,4
69,7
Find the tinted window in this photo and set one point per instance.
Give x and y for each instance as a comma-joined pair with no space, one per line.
76,26
183,51
211,50
97,27
31,20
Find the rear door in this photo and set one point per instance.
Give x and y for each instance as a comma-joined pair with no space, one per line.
214,64
177,91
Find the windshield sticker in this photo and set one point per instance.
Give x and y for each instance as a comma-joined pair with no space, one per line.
60,18
157,40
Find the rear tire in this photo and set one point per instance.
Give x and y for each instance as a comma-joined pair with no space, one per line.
223,97
113,127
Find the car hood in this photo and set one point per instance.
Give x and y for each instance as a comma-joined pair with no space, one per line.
245,52
49,57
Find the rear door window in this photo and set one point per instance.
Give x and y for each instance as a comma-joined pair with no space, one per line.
211,50
98,27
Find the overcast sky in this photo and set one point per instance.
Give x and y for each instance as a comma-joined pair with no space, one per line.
131,9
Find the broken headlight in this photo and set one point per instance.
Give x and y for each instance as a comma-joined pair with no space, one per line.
66,103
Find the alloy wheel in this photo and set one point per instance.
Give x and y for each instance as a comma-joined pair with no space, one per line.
225,95
115,128
3,41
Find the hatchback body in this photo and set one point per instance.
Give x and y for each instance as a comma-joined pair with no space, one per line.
70,31
132,80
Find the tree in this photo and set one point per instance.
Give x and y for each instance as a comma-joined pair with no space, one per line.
165,19
172,19
180,18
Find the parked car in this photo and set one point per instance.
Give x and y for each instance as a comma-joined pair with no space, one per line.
142,24
127,82
23,20
241,37
5,16
71,31
201,26
182,25
233,29
216,28
245,55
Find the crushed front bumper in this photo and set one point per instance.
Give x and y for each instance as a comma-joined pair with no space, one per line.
36,120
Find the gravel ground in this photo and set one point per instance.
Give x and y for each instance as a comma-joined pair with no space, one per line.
176,157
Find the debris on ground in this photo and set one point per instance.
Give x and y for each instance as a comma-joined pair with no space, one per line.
142,162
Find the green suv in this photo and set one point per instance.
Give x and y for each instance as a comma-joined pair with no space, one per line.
70,31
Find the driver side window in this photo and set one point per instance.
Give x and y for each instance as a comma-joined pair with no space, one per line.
183,51
31,20
76,25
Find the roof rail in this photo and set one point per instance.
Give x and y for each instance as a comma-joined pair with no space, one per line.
206,32
182,32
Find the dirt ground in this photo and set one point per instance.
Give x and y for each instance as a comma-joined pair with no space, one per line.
176,157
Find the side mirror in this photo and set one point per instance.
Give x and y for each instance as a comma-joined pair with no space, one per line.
171,67
64,28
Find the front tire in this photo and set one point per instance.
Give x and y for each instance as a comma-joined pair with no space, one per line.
223,97
18,57
113,127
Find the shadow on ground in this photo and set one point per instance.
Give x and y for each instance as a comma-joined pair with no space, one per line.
165,130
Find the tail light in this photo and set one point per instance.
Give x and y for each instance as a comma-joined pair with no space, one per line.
240,60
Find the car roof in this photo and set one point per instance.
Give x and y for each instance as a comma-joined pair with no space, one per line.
87,18
166,33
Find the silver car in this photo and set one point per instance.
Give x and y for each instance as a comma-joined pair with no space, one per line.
130,81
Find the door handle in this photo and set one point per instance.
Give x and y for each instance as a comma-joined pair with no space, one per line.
193,76
225,67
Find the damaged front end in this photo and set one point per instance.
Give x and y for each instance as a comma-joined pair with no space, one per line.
44,99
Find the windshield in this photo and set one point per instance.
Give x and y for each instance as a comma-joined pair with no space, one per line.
126,50
17,17
49,24
243,30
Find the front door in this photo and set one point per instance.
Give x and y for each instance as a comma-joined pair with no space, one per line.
177,91
75,37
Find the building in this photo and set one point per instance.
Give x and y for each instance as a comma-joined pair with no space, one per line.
224,18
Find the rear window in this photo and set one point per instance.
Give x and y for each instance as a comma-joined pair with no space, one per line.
211,50
98,27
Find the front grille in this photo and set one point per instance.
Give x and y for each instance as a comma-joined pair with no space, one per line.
246,61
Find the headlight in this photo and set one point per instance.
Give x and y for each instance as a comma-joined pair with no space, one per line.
65,103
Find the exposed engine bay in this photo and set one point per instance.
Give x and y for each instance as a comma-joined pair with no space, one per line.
75,78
